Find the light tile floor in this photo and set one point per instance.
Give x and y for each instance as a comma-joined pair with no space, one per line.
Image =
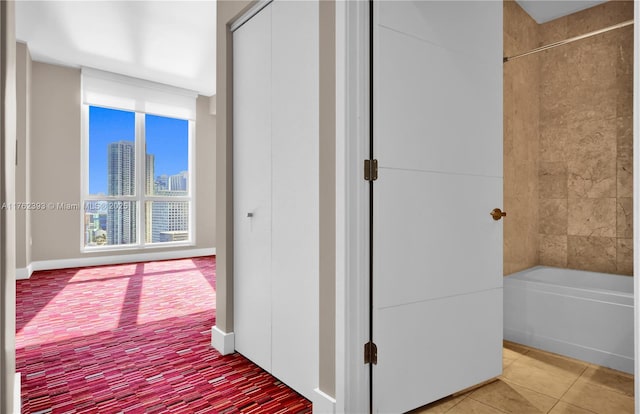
535,381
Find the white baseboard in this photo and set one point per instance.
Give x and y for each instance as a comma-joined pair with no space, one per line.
323,403
25,273
223,342
17,394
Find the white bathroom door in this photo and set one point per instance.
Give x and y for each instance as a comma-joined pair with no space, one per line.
252,188
437,255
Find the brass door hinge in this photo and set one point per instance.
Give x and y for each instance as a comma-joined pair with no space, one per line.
370,170
370,353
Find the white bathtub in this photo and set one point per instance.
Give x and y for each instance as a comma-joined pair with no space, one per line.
583,315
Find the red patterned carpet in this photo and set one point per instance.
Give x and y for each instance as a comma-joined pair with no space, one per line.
134,338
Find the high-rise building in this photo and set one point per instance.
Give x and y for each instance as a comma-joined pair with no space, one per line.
169,220
121,168
121,181
149,169
162,182
151,189
169,217
178,182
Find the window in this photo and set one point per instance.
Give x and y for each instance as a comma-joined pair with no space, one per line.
138,173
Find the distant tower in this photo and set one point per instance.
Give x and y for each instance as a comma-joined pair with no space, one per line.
121,166
149,174
178,182
121,178
150,184
170,219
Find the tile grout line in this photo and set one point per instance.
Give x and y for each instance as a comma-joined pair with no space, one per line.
486,405
456,404
572,384
520,384
596,367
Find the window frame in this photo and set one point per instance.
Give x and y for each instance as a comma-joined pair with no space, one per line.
141,197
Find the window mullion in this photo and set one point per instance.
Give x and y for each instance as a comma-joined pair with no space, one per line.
140,178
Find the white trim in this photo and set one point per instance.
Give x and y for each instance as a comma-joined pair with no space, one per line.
323,403
17,393
255,9
119,259
223,342
84,169
24,272
636,198
352,199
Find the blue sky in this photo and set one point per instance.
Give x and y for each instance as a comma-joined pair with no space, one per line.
166,138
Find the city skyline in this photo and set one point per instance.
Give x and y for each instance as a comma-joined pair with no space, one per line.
113,166
115,222
165,140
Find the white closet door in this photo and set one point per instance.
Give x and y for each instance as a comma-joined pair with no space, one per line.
276,179
295,194
437,251
252,188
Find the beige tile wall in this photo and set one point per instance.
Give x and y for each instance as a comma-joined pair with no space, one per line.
521,114
585,147
568,154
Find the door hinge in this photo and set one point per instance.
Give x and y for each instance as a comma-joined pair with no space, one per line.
370,353
370,170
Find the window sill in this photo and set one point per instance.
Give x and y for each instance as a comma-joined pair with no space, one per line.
135,247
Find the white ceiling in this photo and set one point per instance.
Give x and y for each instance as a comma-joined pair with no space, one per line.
171,42
543,11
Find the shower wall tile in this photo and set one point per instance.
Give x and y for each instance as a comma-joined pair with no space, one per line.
625,178
552,178
520,231
598,17
625,218
554,31
520,30
521,141
553,216
553,250
625,257
586,142
624,103
591,135
592,178
553,138
624,135
598,254
592,217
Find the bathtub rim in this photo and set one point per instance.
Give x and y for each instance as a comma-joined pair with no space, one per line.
625,298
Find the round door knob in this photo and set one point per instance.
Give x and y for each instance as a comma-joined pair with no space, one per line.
497,214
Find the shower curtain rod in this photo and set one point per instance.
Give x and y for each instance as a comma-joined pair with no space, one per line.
570,40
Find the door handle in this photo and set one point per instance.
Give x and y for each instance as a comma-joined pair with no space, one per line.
249,215
497,214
